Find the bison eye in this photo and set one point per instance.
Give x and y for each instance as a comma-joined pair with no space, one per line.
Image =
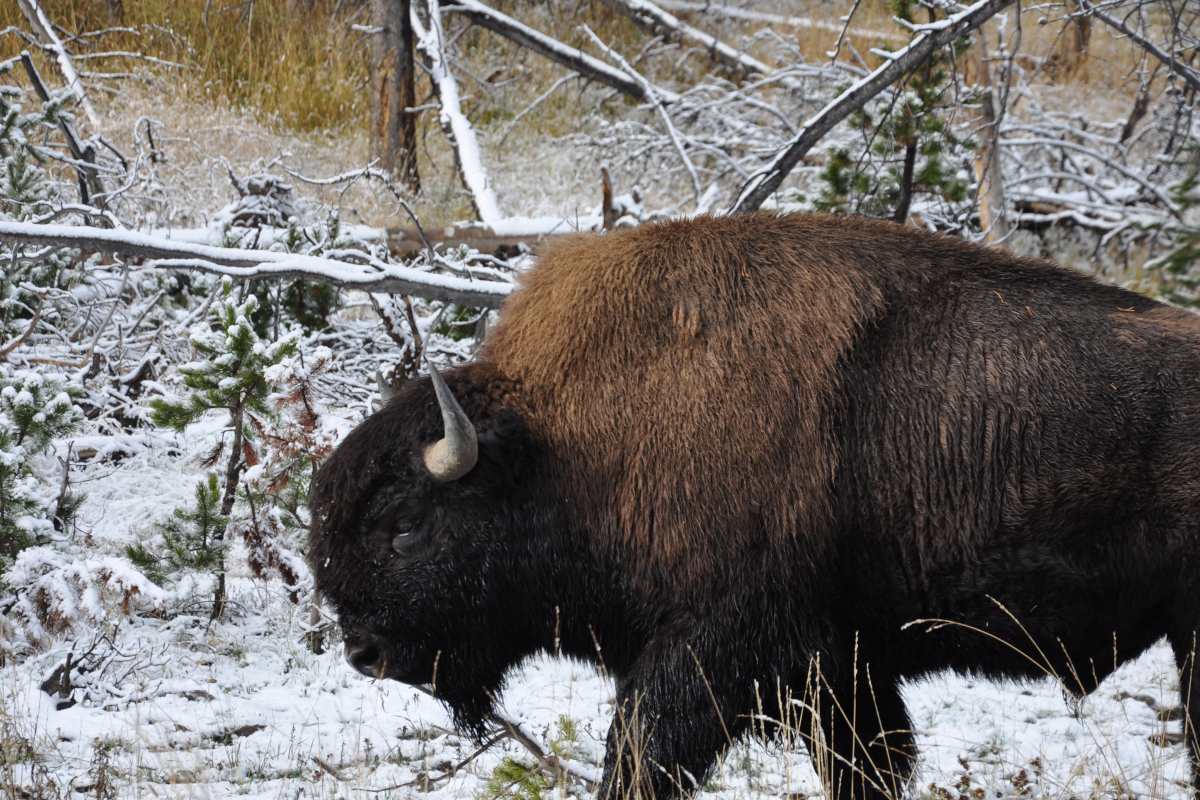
403,532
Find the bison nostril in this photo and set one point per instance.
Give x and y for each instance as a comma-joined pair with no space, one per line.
366,659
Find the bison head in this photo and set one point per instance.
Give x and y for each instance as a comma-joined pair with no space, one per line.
414,537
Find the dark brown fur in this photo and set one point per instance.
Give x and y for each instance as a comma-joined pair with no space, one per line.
751,442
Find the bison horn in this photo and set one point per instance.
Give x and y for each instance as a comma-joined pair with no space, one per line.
385,389
450,458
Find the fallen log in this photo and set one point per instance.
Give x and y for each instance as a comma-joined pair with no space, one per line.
369,276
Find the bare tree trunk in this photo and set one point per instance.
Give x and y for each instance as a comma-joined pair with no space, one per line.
1075,38
233,474
988,174
393,91
316,640
906,184
116,12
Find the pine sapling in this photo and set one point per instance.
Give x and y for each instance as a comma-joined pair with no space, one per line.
294,441
188,539
1177,281
230,377
35,409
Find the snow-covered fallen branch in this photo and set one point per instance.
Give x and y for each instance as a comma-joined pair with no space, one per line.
570,57
45,31
657,21
454,122
768,179
373,276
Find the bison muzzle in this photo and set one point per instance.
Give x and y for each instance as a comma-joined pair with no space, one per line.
712,454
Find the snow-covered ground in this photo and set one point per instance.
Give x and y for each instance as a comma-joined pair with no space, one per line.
182,708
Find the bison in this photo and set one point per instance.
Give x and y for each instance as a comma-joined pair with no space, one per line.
712,454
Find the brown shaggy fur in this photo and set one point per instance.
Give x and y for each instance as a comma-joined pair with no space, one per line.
661,362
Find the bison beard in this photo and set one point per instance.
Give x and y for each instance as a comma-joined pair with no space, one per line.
715,453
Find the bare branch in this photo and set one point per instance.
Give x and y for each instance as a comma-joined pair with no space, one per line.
45,31
931,37
454,123
571,57
657,21
654,95
747,15
1188,73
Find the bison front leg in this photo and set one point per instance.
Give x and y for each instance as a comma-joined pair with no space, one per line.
674,715
864,749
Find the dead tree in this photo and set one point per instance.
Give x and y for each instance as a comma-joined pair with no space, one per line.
988,174
393,91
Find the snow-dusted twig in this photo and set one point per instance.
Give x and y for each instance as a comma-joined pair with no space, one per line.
657,21
570,76
1185,71
369,171
654,95
570,57
749,15
1111,163
455,124
257,264
767,180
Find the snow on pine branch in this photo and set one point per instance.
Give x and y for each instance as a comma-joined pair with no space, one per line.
373,275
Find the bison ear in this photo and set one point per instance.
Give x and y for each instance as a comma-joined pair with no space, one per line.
453,456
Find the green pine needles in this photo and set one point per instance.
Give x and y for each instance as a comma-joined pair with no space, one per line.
1177,282
35,409
230,376
26,192
909,140
188,540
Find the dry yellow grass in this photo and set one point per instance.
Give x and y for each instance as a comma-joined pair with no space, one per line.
278,76
295,61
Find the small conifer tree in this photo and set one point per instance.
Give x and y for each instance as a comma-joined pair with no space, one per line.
911,137
35,409
1177,281
26,192
188,540
230,377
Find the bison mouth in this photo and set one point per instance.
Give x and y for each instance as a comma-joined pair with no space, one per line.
471,707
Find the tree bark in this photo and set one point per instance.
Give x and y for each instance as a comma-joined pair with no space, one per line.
1075,38
988,174
906,184
393,91
233,473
